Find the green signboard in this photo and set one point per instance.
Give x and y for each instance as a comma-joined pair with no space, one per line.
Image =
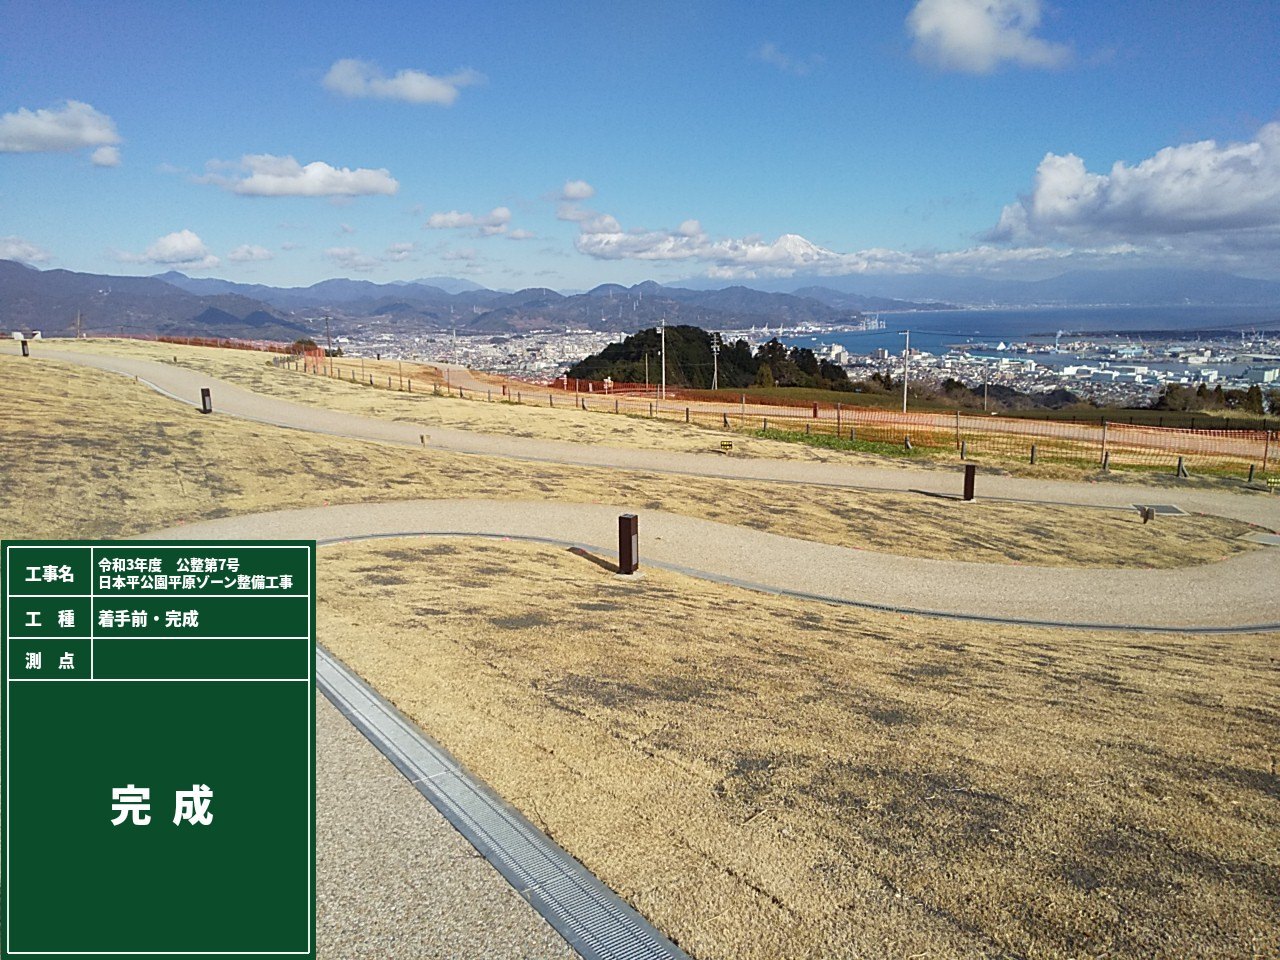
159,747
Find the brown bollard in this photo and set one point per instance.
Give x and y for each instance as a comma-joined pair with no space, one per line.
26,350
628,543
970,472
1033,454
206,400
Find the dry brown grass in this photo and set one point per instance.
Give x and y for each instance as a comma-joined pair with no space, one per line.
253,371
126,461
764,777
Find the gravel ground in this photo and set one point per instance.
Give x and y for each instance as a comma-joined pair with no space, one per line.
393,878
1224,594
1256,508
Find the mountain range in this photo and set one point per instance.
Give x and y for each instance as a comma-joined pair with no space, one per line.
1146,287
174,303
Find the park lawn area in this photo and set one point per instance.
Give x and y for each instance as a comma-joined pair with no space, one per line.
254,371
764,777
99,455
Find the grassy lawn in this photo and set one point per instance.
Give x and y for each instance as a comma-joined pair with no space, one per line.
765,778
127,460
254,371
761,776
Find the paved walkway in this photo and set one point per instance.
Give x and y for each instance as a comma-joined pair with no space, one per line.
1213,596
229,399
394,878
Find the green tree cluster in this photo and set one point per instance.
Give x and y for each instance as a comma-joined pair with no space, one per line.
1179,397
690,362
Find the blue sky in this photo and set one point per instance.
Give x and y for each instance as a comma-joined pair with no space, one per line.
565,145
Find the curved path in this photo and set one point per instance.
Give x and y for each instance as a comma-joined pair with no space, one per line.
1226,595
1216,597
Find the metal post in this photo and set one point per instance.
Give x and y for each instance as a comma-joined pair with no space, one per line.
663,395
206,400
970,472
964,449
837,421
1266,450
906,367
26,350
957,426
1033,454
628,543
1182,468
1104,442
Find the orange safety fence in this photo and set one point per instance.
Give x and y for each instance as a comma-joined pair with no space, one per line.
968,435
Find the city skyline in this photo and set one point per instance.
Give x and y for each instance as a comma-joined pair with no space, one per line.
567,145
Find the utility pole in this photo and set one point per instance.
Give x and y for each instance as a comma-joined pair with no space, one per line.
79,329
985,374
715,361
328,339
664,357
906,367
646,371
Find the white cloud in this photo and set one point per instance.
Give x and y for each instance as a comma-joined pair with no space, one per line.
1202,192
346,228
24,251
484,225
465,255
350,258
801,67
575,190
573,212
265,175
521,235
105,157
290,245
247,253
754,257
976,36
359,78
74,126
183,248
399,252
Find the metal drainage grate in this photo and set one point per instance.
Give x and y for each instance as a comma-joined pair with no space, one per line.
590,916
1161,509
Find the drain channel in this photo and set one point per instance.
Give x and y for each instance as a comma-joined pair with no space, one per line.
590,916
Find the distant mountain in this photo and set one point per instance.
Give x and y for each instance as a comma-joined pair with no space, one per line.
48,300
447,284
856,301
1150,287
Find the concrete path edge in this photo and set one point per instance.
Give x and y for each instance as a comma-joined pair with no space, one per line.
593,920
